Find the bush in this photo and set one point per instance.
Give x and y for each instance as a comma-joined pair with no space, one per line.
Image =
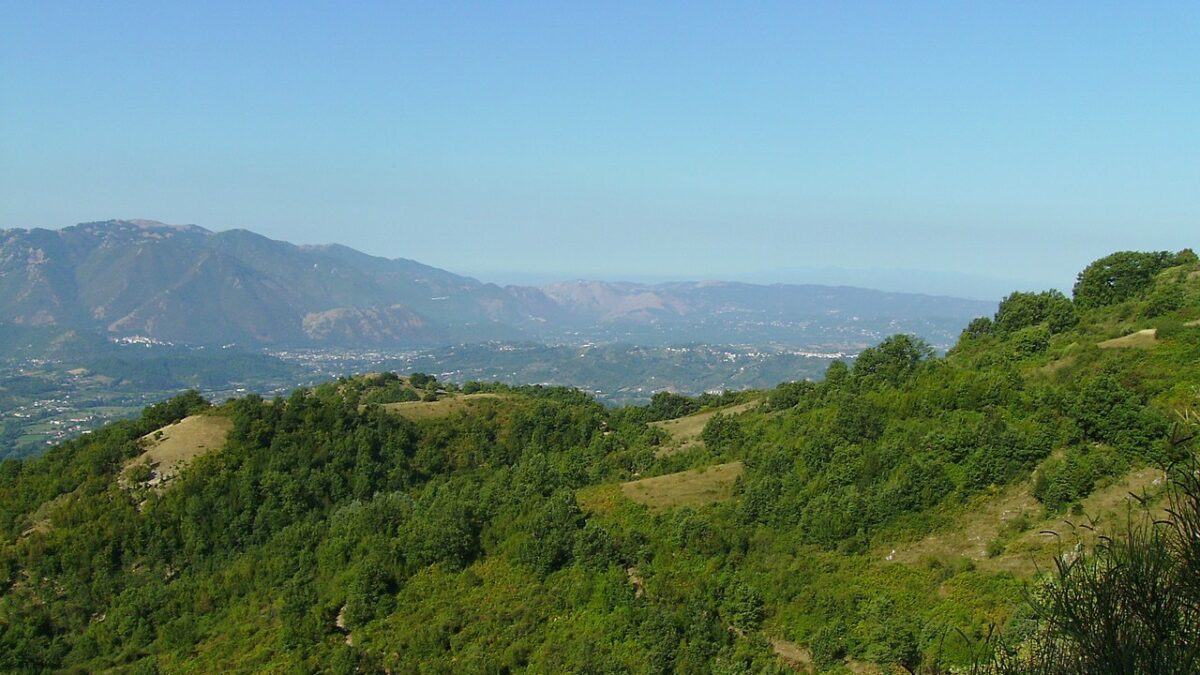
789,395
828,645
722,433
665,405
979,327
1031,340
422,380
1165,329
1165,299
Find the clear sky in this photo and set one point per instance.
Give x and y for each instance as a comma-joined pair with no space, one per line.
695,140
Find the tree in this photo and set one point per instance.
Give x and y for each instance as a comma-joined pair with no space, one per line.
665,405
893,361
1121,276
1023,310
552,533
721,433
979,327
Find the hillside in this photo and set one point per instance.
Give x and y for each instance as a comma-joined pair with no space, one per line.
189,285
884,519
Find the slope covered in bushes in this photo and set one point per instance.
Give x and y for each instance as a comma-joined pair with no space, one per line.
330,533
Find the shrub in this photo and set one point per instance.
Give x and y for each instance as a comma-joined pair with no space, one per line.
1165,299
1031,340
1130,605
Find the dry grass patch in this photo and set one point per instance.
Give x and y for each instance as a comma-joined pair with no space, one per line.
796,656
422,410
599,498
170,449
1051,369
696,487
685,431
981,522
1139,339
41,520
1104,511
984,520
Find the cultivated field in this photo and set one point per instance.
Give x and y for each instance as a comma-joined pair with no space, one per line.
696,487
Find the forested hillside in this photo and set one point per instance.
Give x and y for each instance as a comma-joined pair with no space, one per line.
884,519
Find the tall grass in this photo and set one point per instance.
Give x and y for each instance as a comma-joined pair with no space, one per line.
1130,604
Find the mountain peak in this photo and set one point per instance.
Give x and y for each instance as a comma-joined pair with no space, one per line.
136,224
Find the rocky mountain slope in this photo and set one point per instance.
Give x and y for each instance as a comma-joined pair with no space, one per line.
184,283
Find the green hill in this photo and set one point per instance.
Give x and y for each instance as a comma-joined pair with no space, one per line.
885,519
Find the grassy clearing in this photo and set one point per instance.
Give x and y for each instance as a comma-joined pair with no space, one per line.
685,431
981,521
1104,510
421,410
1139,339
170,449
696,487
984,520
599,498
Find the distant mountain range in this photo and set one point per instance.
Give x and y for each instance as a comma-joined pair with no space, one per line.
186,284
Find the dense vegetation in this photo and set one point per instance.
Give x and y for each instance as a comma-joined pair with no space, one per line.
332,533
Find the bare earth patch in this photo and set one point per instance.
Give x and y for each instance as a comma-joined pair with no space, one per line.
41,521
792,654
421,410
685,431
696,487
170,449
1139,339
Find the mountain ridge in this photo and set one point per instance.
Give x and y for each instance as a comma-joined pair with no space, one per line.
186,283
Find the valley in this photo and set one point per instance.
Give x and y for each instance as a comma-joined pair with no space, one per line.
99,319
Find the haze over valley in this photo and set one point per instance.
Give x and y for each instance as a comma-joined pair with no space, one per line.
98,319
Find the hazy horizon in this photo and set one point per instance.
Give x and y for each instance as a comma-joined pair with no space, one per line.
1012,143
900,280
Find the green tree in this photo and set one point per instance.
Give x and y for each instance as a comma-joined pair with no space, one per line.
895,360
1121,276
1023,310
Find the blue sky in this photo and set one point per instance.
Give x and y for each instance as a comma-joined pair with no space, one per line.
690,140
